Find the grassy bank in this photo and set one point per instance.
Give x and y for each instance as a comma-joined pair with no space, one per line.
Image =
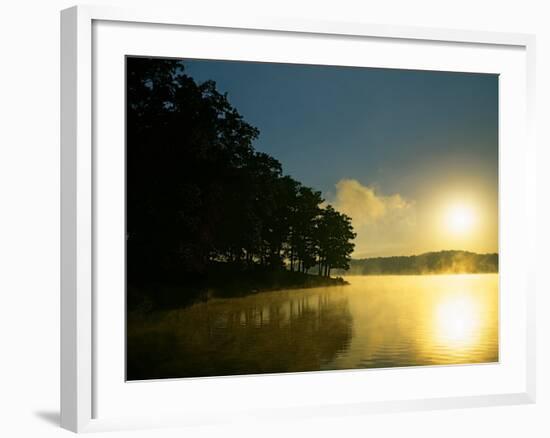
222,282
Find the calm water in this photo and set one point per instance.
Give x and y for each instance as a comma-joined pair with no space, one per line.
376,321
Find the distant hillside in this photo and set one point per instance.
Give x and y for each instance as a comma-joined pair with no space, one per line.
429,263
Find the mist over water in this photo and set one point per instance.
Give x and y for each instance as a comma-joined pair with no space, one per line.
376,321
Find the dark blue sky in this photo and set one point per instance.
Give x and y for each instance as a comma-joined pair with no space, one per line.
397,150
398,130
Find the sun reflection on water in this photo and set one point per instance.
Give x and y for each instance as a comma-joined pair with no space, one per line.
457,321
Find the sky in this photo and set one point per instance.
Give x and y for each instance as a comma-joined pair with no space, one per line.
410,156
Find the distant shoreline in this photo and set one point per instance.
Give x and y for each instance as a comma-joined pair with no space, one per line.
440,262
419,274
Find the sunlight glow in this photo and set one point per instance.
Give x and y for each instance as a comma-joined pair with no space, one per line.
460,218
457,321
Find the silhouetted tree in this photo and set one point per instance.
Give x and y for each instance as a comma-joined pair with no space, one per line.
304,226
200,195
187,147
334,236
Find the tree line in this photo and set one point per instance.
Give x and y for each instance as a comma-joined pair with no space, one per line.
199,194
451,261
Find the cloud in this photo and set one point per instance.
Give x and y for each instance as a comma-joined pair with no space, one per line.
384,224
366,207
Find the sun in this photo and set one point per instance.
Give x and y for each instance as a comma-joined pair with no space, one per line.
460,218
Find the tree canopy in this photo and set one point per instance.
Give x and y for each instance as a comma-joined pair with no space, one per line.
198,193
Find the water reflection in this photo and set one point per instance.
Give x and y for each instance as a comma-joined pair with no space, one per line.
457,321
381,321
302,330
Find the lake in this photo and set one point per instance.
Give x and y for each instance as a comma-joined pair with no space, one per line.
374,322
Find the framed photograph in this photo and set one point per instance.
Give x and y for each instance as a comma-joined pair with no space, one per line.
279,218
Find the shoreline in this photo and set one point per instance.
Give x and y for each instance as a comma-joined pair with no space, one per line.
417,274
177,293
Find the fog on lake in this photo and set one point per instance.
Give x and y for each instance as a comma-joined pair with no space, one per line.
375,321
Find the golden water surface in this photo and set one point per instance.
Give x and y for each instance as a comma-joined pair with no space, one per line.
375,321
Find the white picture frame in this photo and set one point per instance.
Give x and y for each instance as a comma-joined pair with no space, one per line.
83,369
